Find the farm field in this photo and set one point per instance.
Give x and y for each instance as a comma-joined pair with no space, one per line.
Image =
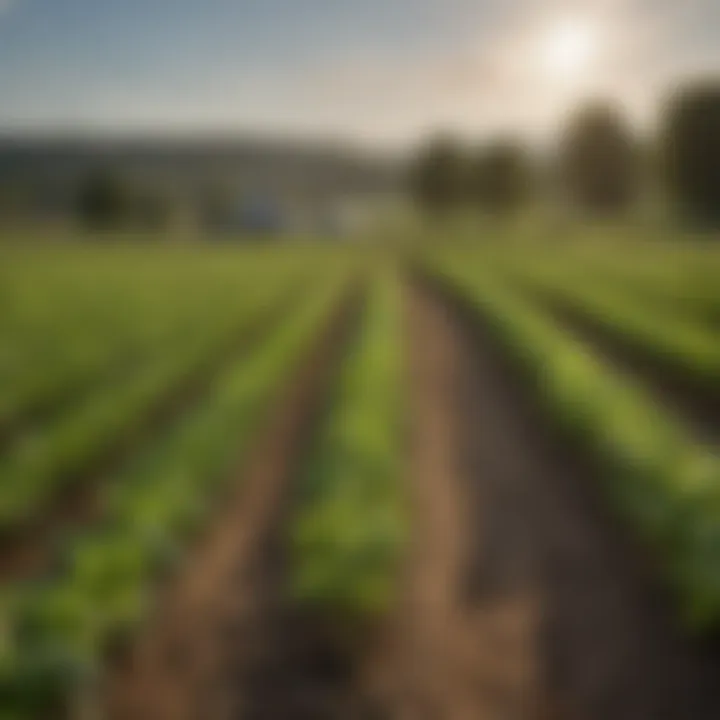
451,480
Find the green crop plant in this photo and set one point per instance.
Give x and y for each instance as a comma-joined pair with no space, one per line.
659,478
675,339
40,464
56,629
349,531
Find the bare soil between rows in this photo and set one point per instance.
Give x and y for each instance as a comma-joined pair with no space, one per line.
553,609
208,650
522,598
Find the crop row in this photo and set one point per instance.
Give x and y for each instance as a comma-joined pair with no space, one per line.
667,291
659,478
71,335
57,629
683,279
689,346
40,464
349,532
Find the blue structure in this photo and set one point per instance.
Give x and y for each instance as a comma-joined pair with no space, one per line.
260,215
251,216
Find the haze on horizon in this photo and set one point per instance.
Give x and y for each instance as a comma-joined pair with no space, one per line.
380,72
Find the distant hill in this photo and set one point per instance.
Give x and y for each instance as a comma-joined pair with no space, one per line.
53,167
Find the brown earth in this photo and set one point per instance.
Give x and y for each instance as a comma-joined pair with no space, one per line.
451,655
284,661
209,628
524,598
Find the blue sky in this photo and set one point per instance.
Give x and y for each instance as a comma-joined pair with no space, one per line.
380,71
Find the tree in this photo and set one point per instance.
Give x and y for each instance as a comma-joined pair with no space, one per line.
150,209
500,176
217,206
437,176
102,200
598,160
690,149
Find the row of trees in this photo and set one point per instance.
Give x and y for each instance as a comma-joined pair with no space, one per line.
106,201
599,164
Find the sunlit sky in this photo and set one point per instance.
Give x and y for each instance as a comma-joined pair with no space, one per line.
378,71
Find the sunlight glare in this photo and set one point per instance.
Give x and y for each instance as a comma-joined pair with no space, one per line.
569,47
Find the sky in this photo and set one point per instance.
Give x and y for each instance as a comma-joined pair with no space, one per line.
381,72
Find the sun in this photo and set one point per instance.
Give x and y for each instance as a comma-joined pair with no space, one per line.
569,47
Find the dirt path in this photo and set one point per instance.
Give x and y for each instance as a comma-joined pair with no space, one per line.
285,662
185,666
523,600
456,655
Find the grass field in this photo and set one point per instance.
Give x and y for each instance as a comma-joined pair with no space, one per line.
475,478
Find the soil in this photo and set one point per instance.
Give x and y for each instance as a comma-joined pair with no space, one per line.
525,598
284,661
209,652
456,653
522,597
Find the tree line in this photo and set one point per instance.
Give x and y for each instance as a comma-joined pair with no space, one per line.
599,165
106,200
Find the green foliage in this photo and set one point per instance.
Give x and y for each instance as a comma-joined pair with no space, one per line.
691,149
58,628
674,280
103,201
598,160
438,176
74,319
680,341
501,177
664,482
55,453
349,533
